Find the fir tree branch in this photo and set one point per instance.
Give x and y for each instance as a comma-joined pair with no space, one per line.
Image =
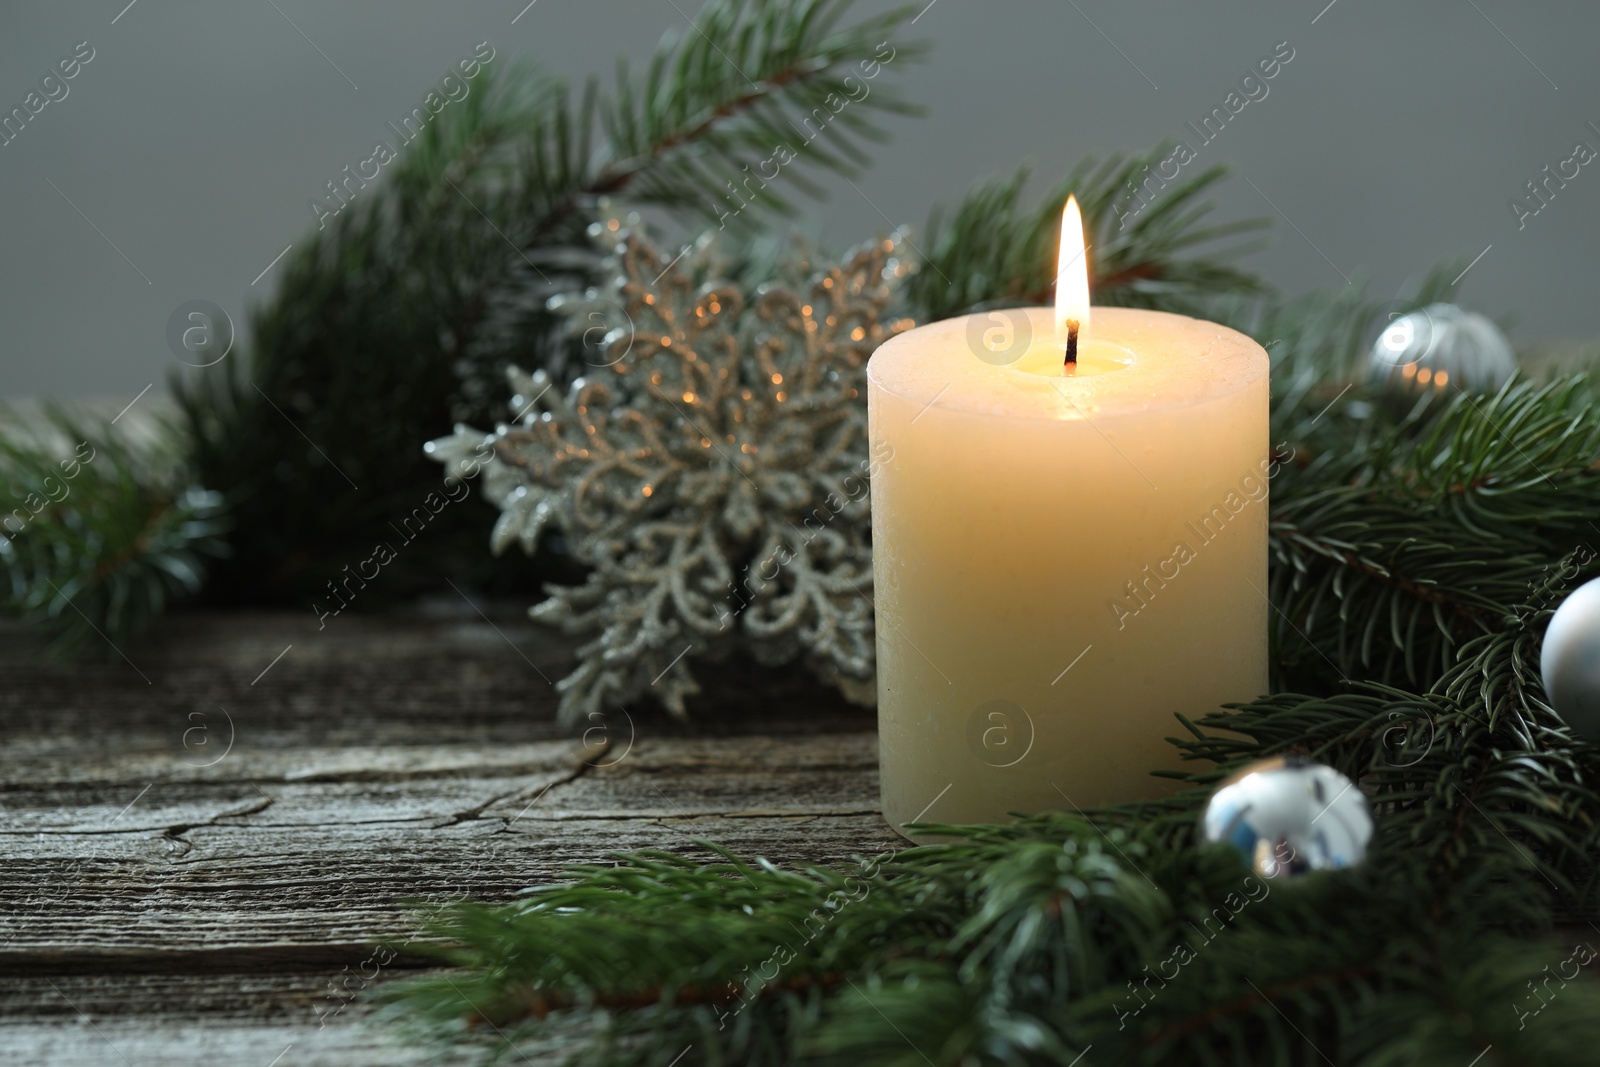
1254,999
99,534
1393,553
401,313
992,252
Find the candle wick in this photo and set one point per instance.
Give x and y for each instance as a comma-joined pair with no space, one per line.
1072,343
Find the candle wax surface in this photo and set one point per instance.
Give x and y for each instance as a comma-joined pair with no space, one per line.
1063,558
1046,358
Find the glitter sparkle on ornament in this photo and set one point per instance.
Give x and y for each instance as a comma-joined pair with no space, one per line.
712,472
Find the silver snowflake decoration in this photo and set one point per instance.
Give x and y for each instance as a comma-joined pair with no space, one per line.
712,472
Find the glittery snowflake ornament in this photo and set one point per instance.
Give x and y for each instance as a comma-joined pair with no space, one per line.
711,470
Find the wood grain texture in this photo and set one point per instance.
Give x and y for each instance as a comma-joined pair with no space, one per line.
203,839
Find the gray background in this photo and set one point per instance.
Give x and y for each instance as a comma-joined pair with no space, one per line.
196,135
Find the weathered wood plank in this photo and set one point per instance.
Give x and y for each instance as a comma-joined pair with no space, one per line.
103,1042
200,855
448,677
321,862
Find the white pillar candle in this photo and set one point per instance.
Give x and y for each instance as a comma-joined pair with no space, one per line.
1063,556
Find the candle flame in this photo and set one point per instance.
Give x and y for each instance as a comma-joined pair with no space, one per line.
1072,272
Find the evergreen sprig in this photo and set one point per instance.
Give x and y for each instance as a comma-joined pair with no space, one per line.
99,533
1392,554
402,312
1417,552
743,81
992,251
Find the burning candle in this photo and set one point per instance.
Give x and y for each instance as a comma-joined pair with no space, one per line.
1069,546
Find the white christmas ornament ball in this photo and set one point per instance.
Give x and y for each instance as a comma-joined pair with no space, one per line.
1570,660
1289,816
1439,346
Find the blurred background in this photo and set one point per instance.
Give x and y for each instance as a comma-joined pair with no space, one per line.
182,160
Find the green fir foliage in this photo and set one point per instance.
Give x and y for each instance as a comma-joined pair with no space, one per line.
99,533
993,251
401,312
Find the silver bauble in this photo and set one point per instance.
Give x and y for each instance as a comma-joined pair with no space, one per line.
1288,816
1570,660
1440,346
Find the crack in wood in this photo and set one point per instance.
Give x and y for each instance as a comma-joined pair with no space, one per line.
176,832
578,770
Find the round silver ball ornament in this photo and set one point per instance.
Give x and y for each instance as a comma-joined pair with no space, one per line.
1570,660
1438,346
1288,816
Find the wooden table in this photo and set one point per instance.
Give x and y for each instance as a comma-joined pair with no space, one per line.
203,838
